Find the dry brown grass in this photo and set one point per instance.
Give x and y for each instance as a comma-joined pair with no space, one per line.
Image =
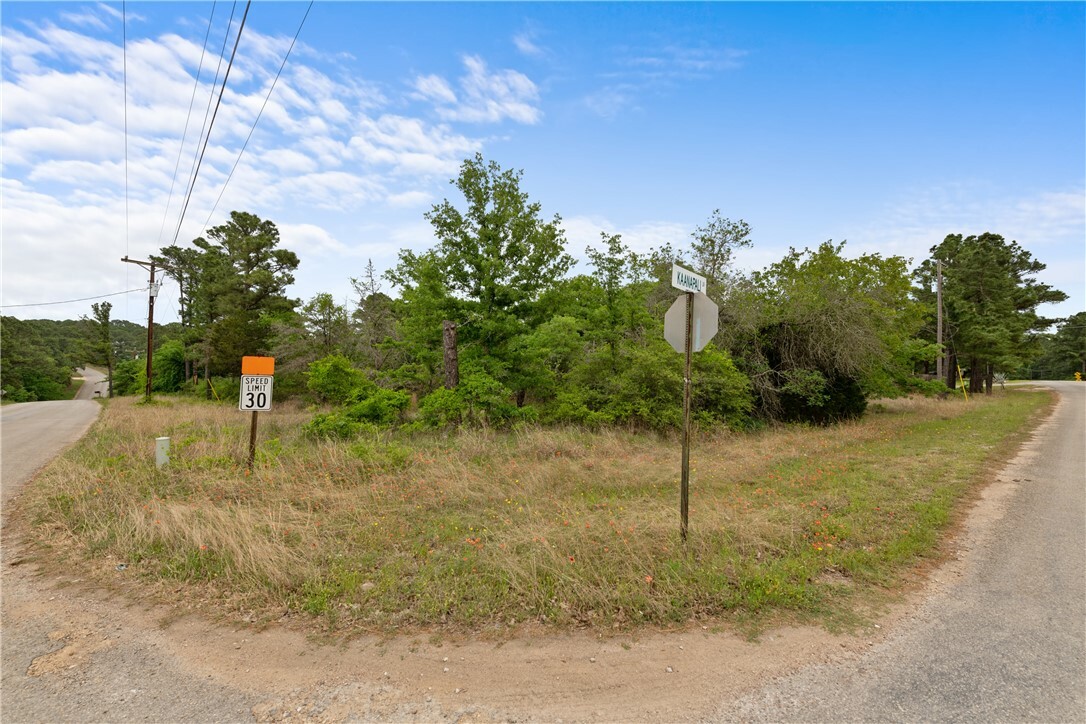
486,528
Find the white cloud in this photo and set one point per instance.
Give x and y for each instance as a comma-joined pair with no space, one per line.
525,43
612,101
584,231
654,71
409,145
85,19
310,239
326,148
434,88
912,225
674,60
485,97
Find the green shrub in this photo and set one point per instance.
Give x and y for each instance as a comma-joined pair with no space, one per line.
332,426
479,399
382,407
169,367
837,398
441,408
335,379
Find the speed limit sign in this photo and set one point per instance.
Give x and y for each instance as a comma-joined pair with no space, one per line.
256,393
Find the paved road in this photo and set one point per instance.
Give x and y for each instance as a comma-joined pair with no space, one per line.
95,384
33,433
1004,636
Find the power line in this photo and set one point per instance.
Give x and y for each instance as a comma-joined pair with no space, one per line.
218,103
124,54
188,117
72,301
258,115
207,110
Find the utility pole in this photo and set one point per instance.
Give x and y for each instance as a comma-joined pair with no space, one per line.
152,293
939,319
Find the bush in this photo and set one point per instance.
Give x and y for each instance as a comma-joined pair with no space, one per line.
382,407
441,408
927,388
335,379
169,367
479,399
646,390
837,398
332,426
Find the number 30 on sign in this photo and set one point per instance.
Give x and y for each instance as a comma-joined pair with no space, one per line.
256,393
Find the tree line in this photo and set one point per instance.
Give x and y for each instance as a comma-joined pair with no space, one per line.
489,326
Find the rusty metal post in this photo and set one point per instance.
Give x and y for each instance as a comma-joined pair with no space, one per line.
684,494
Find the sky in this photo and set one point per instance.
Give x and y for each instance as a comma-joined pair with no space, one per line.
884,125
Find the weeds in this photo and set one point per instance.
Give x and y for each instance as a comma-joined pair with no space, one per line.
482,529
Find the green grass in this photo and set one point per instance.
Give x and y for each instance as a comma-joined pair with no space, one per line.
486,529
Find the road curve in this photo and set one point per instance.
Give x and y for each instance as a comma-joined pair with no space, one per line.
66,656
95,384
1003,637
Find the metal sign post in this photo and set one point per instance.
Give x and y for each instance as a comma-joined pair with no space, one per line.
256,394
684,488
689,324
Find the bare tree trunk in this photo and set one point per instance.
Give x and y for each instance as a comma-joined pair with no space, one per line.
952,371
976,377
988,378
452,364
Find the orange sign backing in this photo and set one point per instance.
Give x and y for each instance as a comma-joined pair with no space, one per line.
258,365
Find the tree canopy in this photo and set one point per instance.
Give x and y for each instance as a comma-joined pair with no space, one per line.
990,299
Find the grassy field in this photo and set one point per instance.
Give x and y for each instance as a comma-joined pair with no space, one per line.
488,530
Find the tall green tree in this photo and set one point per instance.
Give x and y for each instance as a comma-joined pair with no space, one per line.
241,288
495,257
1062,353
185,266
320,328
713,248
991,296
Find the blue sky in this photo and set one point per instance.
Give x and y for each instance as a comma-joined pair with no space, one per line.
886,125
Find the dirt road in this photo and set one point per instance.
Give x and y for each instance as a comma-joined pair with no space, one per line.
70,654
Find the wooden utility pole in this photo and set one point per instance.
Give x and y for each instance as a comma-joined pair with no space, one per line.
939,318
152,290
452,362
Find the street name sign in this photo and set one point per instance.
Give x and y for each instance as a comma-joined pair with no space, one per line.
686,280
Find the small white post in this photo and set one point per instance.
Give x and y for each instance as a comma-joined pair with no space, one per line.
162,451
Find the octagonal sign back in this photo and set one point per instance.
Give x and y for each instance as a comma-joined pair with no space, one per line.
706,323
